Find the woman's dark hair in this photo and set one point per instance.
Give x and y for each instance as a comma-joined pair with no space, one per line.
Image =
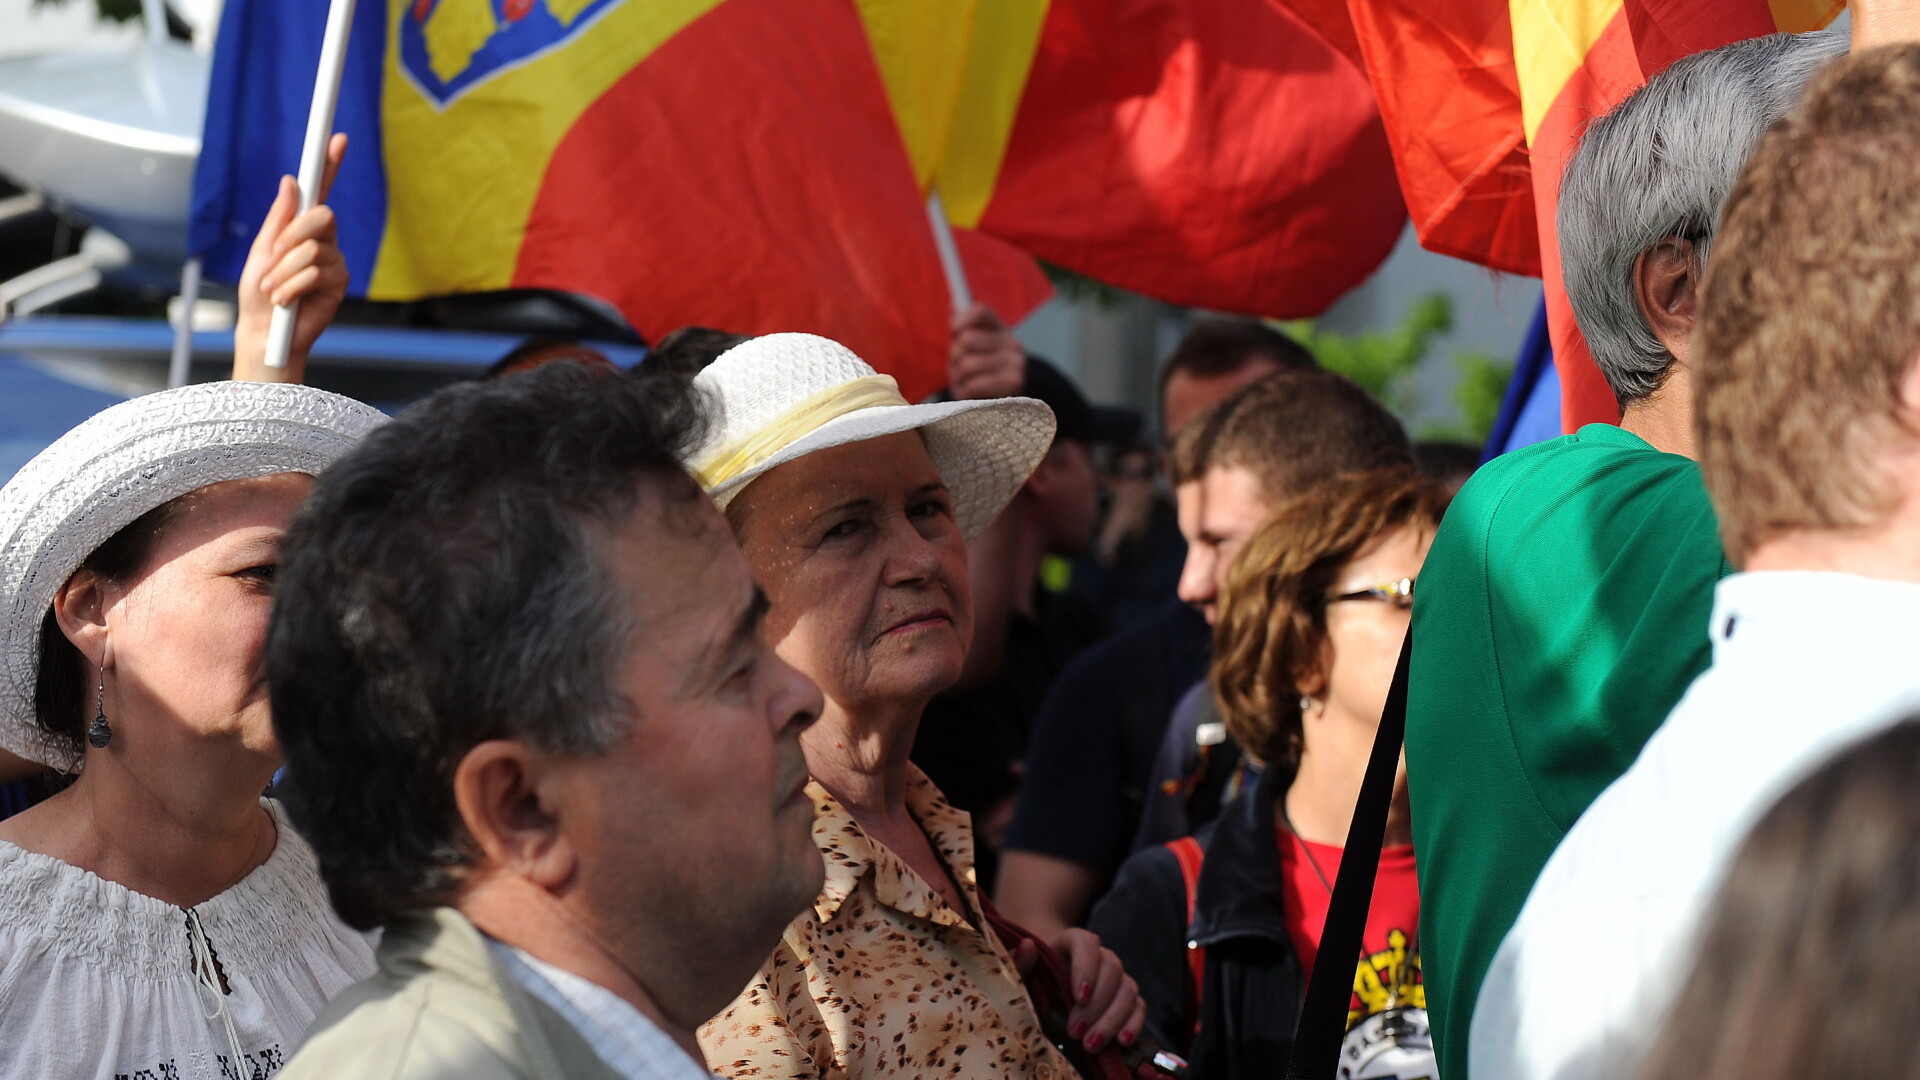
60,703
446,584
1805,959
1273,616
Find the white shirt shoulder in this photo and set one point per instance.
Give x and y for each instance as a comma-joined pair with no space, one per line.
1804,663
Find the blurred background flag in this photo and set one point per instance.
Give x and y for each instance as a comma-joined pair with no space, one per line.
761,165
1211,153
1482,101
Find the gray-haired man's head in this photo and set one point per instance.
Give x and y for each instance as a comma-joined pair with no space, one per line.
1642,194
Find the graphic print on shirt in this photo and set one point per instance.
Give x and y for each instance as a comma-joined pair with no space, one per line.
1388,1037
1387,1032
1387,979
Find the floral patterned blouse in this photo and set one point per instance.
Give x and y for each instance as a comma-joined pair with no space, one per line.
882,978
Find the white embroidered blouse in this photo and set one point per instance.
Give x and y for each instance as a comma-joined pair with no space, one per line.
97,980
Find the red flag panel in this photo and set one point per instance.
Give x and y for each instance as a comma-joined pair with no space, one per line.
735,180
1204,152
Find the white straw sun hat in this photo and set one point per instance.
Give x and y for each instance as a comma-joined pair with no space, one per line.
120,463
784,396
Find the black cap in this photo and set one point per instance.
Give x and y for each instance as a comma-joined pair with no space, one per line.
1078,420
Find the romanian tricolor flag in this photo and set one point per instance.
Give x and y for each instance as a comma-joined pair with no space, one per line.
1483,99
762,165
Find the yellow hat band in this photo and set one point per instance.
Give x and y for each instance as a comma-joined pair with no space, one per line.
743,455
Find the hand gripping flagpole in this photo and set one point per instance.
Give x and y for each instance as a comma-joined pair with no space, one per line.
313,153
949,254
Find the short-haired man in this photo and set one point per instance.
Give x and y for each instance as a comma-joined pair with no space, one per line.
1232,469
533,730
1263,446
1808,385
1564,603
1095,734
1090,788
1216,357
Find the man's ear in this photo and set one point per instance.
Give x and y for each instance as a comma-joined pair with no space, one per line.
1044,480
1666,282
80,609
504,791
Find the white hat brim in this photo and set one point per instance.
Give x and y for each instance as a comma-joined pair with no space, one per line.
114,467
984,450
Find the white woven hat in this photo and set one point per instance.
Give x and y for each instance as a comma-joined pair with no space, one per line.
120,463
783,396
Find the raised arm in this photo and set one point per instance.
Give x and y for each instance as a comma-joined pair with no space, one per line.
292,258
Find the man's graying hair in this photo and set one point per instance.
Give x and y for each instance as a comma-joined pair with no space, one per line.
1661,165
447,583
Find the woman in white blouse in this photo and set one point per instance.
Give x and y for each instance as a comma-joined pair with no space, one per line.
157,916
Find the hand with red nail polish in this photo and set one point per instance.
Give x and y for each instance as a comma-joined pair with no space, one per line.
1107,1001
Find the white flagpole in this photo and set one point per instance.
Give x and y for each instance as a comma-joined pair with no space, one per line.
949,255
313,152
182,359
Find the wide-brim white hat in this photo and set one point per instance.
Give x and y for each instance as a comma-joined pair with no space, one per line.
120,463
784,396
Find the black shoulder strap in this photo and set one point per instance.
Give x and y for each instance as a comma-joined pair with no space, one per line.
1323,1017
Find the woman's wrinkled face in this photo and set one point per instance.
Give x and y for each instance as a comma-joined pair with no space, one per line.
864,568
185,633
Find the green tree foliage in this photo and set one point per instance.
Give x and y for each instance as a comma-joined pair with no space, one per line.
1384,363
1482,386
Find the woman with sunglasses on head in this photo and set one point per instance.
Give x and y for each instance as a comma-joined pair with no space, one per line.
1310,628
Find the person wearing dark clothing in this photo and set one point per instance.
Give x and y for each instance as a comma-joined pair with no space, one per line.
1197,767
1104,719
972,739
1252,980
1222,930
1044,890
1268,442
969,738
1134,564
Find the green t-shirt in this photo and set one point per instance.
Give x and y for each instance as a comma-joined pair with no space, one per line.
1562,612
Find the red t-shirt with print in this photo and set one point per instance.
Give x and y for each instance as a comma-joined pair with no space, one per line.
1391,941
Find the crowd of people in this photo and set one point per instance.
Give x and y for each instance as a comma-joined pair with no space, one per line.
721,716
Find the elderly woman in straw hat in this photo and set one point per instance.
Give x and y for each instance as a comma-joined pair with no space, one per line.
854,509
157,916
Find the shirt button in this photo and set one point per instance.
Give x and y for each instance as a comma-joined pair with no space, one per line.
1045,1071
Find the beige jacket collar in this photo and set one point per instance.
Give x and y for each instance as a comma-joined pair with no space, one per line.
531,1037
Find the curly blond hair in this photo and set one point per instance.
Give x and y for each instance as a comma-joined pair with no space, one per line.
1810,314
1272,632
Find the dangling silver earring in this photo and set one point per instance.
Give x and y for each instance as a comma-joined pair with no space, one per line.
100,733
1306,703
